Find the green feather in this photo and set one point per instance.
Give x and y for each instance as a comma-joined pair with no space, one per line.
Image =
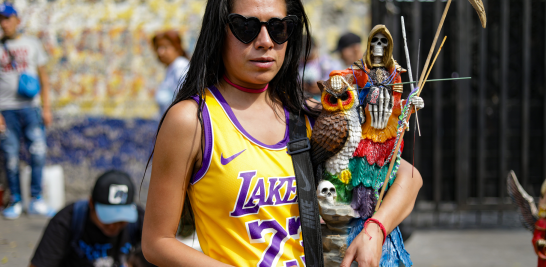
366,174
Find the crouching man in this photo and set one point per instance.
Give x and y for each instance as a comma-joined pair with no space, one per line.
97,232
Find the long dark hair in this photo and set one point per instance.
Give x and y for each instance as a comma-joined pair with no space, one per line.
207,68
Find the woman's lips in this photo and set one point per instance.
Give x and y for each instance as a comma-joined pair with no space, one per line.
263,62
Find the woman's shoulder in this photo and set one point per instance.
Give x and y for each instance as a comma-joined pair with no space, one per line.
182,116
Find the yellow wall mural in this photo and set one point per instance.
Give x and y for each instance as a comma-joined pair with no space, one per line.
101,61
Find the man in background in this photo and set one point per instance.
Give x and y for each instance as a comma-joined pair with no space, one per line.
21,116
349,47
100,231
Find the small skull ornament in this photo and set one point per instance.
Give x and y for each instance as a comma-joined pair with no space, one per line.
378,44
326,192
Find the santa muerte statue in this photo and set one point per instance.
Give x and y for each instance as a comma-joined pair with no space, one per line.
533,219
357,141
364,111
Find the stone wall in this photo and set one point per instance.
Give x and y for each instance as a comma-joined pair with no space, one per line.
103,74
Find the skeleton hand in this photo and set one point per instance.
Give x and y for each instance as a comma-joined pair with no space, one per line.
417,102
381,112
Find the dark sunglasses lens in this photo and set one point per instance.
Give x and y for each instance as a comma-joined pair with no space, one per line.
245,29
280,30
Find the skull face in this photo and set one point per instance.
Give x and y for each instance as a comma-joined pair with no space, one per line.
378,44
326,192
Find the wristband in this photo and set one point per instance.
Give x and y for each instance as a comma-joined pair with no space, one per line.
380,226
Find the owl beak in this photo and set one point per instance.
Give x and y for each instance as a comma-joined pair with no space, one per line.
340,104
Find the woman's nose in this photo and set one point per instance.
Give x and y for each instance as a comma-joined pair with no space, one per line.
263,40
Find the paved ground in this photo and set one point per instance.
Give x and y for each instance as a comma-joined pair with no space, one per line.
438,248
18,239
476,248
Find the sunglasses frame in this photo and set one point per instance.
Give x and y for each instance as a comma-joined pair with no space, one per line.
292,18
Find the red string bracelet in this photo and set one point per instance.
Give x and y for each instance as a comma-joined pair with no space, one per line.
380,226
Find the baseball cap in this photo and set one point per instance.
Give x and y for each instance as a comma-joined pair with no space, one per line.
346,40
7,10
113,197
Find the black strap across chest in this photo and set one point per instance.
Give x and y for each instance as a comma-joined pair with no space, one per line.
299,148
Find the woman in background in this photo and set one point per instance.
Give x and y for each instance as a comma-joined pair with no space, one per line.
168,47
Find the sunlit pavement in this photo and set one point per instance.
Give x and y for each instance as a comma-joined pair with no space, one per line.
438,248
18,238
472,248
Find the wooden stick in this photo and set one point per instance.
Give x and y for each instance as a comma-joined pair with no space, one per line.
391,165
425,70
434,61
434,44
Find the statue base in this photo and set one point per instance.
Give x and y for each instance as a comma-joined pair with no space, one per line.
338,220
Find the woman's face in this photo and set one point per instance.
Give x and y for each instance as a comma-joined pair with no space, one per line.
166,53
254,64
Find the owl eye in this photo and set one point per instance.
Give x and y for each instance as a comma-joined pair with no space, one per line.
344,96
332,99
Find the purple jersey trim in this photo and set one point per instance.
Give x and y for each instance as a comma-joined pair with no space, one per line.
229,112
311,121
209,143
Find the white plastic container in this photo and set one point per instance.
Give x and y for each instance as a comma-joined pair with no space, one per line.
52,186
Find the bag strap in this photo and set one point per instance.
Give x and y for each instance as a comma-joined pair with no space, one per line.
298,148
79,215
11,57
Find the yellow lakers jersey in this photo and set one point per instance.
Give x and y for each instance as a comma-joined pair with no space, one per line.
244,195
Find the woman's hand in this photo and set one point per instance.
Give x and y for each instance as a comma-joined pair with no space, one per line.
365,251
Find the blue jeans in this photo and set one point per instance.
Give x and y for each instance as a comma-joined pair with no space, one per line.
26,123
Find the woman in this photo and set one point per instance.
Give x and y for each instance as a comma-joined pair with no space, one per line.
168,47
224,138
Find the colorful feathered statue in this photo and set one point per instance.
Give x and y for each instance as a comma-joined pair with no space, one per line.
352,144
533,219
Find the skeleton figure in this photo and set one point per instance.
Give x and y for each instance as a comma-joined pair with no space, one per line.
358,186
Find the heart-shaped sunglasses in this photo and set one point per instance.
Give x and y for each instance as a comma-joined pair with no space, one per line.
247,29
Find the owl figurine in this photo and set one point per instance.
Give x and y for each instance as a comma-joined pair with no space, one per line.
337,131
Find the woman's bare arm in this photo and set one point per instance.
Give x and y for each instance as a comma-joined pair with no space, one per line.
399,202
397,205
176,150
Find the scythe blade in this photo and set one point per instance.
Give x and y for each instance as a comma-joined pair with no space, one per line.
478,6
